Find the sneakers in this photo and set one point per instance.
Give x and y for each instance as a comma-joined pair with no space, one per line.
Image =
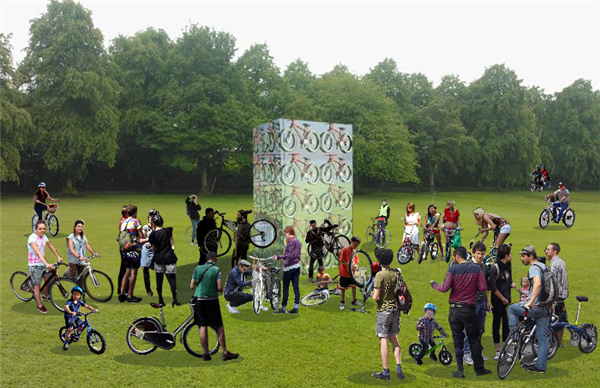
483,372
264,308
468,360
497,356
232,310
382,376
356,303
45,298
533,368
293,311
342,305
458,374
66,346
485,358
122,298
42,310
419,361
229,356
206,357
280,310
401,375
134,299
310,280
433,356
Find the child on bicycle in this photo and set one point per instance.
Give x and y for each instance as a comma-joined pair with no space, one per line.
71,310
425,327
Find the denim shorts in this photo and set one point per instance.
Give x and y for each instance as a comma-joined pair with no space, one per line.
388,323
505,229
147,255
37,273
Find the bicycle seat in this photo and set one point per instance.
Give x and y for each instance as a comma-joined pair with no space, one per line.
582,298
157,305
274,269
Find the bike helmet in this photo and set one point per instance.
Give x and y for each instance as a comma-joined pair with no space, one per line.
430,306
153,212
41,184
76,289
543,167
537,167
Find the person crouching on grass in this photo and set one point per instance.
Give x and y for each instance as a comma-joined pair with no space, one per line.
71,309
388,315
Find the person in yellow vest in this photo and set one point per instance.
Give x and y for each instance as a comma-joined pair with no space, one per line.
382,218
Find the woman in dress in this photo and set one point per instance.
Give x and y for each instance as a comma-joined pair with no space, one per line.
165,260
412,219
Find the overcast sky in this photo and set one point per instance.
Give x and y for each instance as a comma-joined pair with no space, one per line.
548,44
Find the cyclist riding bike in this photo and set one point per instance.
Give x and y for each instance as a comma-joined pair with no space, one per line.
433,222
490,221
562,202
382,217
537,176
39,199
545,174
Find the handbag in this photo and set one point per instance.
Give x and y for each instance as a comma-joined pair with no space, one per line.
456,242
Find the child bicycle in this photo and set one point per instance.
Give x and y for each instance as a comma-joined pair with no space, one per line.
444,356
146,334
95,340
406,253
267,284
448,247
95,283
586,335
428,245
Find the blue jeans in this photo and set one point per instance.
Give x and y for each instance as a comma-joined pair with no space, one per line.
480,312
563,206
194,227
293,276
383,224
541,316
39,209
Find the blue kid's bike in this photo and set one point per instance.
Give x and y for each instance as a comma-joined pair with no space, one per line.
95,340
586,335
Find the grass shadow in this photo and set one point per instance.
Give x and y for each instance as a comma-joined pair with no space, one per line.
517,374
30,308
173,359
78,348
263,317
366,378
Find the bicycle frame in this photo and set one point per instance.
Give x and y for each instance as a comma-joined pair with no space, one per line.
88,268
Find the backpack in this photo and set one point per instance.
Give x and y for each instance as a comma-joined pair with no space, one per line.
550,288
124,239
402,290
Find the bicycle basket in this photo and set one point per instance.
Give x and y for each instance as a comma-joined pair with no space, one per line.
52,208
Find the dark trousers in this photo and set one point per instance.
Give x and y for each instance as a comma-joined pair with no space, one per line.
121,270
461,318
500,316
424,347
238,298
241,253
293,276
312,265
383,225
202,259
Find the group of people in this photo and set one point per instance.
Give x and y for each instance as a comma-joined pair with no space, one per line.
540,177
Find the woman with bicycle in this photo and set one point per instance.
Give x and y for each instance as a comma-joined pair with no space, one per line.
491,221
165,260
147,252
39,199
412,219
77,244
500,283
433,222
291,270
38,265
450,219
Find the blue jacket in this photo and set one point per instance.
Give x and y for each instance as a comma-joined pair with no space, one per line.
235,280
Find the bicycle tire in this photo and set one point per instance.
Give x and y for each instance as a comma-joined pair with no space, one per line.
289,174
315,298
195,348
288,140
275,293
435,250
316,249
53,226
327,201
290,207
91,289
445,357
21,278
135,335
414,349
346,174
218,240
509,353
544,219
361,259
59,299
34,220
312,142
345,227
96,342
388,239
62,332
404,255
312,173
569,218
257,295
346,201
346,143
552,345
585,345
370,234
327,142
339,243
268,142
423,253
188,234
327,173
447,252
312,204
263,233
532,187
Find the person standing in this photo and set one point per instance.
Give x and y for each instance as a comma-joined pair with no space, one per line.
291,270
204,226
482,303
165,260
241,237
463,280
147,252
412,219
192,209
314,234
39,200
383,218
500,285
540,314
558,266
123,267
131,259
388,315
450,219
562,202
77,244
208,283
345,279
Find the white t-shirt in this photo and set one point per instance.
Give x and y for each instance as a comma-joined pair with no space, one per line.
561,194
34,260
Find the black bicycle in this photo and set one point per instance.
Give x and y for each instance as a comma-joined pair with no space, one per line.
375,233
328,242
95,340
551,214
428,246
362,275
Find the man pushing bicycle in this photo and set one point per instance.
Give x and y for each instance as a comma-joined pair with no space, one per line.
382,218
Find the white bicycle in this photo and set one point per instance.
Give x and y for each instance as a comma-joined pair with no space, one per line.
266,284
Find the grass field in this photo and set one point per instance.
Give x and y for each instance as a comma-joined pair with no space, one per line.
322,346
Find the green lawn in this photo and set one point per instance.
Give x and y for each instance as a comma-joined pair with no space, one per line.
322,346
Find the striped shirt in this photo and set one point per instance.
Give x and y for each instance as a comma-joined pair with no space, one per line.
426,326
558,267
464,280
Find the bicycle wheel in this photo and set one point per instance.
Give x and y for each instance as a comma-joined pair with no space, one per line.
361,268
312,142
96,342
59,296
346,174
434,250
268,142
262,233
312,174
136,332
218,240
414,349
327,142
312,204
346,201
34,220
22,286
346,144
289,174
345,227
62,332
532,187
544,218
552,346
53,225
191,340
445,357
188,234
370,234
327,173
508,355
288,140
275,293
588,345
569,217
316,249
385,240
327,201
257,295
339,242
315,298
404,254
98,286
290,207
447,251
423,253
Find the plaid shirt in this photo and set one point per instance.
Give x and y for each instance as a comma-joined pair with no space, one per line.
557,265
426,326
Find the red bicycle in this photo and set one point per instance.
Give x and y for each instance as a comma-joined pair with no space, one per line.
335,136
304,169
335,168
299,133
336,195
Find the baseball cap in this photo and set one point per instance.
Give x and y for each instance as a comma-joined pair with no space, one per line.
245,263
561,184
528,250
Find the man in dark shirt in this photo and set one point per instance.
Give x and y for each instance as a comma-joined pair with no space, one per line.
317,248
204,226
464,280
242,238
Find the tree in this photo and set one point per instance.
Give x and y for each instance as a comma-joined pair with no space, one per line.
71,95
297,91
15,121
387,76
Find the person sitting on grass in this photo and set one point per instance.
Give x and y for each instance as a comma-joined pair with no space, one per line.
71,310
323,280
425,327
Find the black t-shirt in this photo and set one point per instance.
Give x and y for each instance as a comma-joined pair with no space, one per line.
161,240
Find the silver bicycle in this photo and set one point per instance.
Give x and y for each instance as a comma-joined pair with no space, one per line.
266,284
96,284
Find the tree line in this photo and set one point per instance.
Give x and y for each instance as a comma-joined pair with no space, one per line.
155,113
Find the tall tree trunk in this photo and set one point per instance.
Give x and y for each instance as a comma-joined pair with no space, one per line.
431,177
204,179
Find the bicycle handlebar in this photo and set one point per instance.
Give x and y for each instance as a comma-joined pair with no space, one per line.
86,314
